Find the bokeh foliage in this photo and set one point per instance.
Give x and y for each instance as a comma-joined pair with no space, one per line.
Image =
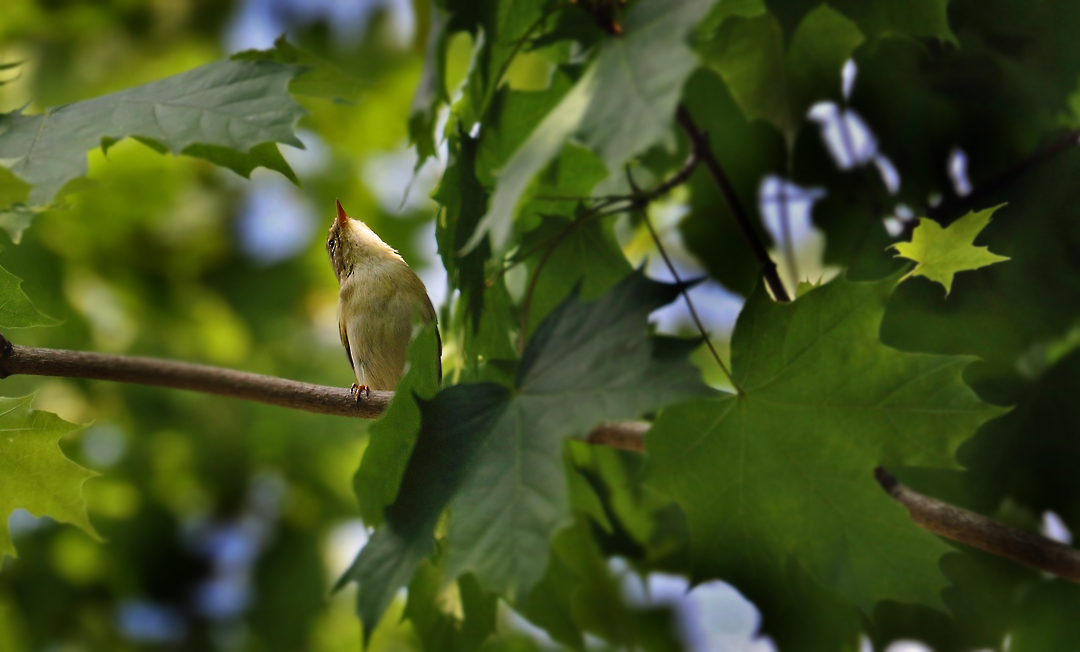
221,523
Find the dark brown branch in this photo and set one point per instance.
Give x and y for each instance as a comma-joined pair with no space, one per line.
339,401
700,142
950,210
940,518
984,533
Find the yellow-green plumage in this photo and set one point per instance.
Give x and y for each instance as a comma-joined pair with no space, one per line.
379,301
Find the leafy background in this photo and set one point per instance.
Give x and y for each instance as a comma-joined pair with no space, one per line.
752,523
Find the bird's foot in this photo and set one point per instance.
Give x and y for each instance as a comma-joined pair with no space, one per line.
357,390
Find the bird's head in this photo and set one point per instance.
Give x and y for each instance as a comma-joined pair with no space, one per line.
350,241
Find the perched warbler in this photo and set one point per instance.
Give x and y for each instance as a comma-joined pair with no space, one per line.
379,301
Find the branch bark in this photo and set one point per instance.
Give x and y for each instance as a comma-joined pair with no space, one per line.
984,533
938,517
322,399
700,142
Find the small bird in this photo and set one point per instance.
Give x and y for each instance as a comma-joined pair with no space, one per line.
379,301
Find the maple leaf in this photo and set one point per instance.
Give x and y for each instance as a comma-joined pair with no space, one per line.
34,474
785,468
943,252
493,454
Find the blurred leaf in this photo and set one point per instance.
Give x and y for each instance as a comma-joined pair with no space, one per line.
890,18
463,200
494,456
786,466
34,474
1046,622
1038,434
623,104
580,255
440,629
314,76
941,253
500,29
588,597
16,311
431,91
777,86
228,104
392,437
15,216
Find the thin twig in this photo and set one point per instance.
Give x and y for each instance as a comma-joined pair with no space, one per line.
700,142
951,209
937,517
602,209
605,202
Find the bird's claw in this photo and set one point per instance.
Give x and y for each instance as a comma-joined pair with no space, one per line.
357,390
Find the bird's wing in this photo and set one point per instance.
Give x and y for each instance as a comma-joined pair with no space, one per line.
348,349
432,317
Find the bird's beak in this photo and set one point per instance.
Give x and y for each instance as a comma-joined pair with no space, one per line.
341,216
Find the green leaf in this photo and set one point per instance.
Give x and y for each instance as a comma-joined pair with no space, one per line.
880,18
1038,434
464,200
775,86
941,253
501,30
910,18
583,255
266,155
316,76
229,104
786,467
391,438
16,311
431,616
622,105
494,456
34,474
431,91
1046,622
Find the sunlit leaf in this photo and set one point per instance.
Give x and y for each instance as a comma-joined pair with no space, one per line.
236,105
941,253
34,474
16,311
624,103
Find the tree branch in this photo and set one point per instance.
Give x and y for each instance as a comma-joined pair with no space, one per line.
700,142
940,518
322,399
984,533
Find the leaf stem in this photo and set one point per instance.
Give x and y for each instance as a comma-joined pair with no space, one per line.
689,303
700,142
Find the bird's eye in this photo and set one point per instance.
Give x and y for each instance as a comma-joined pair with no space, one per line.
330,244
